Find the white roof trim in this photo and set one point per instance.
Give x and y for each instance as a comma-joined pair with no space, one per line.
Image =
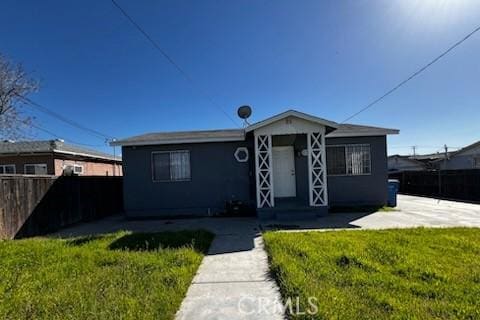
291,113
363,133
175,141
87,155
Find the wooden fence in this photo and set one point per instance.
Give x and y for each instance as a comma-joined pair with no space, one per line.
35,205
449,184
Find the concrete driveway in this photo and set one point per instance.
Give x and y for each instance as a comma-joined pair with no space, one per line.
410,212
423,212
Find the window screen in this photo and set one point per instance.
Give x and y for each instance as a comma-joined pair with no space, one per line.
171,166
36,168
336,160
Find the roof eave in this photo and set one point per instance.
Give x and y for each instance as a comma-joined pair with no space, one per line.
175,141
87,155
375,133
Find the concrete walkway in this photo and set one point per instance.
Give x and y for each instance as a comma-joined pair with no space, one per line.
233,280
233,283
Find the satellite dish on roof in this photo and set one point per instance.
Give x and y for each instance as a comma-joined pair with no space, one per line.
244,112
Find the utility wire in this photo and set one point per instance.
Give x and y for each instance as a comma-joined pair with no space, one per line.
170,60
58,137
420,146
413,75
60,117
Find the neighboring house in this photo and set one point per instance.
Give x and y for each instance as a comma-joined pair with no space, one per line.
279,165
398,163
54,157
465,158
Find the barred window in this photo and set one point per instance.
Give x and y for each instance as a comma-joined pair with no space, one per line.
171,165
349,159
336,161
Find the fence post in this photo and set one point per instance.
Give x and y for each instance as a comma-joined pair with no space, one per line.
439,182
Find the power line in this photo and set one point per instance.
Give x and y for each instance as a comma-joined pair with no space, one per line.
413,75
59,137
60,117
421,146
170,59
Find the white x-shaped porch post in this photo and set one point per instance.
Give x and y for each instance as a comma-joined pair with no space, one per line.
317,171
264,174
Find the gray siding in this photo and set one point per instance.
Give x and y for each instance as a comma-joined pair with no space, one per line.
459,162
216,177
401,164
366,189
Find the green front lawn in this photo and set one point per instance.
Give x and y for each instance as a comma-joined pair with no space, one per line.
399,274
113,276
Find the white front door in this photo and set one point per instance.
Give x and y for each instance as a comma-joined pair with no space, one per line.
283,172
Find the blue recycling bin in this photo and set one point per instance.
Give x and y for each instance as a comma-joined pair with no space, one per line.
393,187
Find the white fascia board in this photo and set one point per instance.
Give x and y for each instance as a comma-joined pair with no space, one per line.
86,155
175,141
362,133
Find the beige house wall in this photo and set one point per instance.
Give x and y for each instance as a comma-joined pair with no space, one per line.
55,165
90,168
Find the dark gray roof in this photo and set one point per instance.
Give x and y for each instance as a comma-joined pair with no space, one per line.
469,147
184,137
431,156
344,130
46,146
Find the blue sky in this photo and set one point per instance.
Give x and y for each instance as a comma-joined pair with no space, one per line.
328,58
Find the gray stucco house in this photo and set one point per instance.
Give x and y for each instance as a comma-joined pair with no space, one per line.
463,159
398,163
290,164
466,158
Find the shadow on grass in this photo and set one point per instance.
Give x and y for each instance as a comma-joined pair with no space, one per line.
199,240
84,240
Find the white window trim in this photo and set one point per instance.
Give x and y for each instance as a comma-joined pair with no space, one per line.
78,166
34,164
170,180
4,166
351,145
